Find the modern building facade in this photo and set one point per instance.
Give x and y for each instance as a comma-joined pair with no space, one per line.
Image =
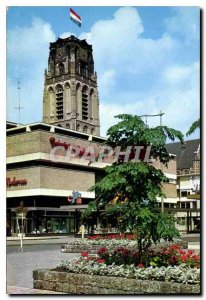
188,184
40,174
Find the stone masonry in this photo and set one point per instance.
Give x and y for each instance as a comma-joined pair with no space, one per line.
71,283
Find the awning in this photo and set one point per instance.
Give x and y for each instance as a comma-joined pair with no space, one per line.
194,196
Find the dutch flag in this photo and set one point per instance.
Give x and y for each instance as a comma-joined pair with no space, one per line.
75,17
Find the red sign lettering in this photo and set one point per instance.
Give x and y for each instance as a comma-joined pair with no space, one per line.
13,182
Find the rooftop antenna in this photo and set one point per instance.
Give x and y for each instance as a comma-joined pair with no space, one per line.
157,115
161,166
19,98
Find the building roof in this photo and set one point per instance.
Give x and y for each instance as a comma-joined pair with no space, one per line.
185,153
10,125
53,128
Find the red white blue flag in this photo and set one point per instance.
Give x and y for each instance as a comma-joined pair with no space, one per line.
75,17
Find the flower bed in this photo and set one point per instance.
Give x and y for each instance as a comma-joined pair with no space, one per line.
123,271
179,274
166,256
166,264
92,245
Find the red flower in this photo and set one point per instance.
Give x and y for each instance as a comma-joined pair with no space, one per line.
195,257
100,260
90,258
190,251
181,251
85,254
140,265
103,249
184,258
174,247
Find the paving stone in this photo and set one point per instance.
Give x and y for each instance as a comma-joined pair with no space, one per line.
14,290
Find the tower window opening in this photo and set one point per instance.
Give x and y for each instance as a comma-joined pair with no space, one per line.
85,129
84,106
61,69
59,103
83,69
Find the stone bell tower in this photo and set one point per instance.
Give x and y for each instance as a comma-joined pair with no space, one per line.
70,88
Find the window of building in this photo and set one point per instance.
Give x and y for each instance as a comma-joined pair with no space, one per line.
85,129
78,127
184,193
59,102
85,109
182,204
187,204
181,220
194,204
61,69
82,69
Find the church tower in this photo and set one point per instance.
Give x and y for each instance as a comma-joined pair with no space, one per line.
70,89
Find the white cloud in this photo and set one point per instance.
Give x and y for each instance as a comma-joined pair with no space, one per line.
65,35
107,81
178,99
150,74
182,74
27,43
185,22
27,56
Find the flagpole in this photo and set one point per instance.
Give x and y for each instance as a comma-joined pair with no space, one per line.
70,25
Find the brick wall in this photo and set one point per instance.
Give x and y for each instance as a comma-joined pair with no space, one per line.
52,178
171,168
24,143
170,190
32,175
66,179
38,141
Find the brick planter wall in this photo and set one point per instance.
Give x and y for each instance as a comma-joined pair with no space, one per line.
71,283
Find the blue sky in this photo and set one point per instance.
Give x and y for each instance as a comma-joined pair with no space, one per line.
146,58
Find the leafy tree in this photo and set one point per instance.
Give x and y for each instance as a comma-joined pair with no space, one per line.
195,125
129,189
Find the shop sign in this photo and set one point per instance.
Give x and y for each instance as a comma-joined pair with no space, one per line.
14,182
75,198
81,150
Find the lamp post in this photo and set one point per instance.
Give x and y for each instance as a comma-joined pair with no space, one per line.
161,166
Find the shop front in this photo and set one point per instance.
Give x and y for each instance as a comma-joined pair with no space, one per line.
46,221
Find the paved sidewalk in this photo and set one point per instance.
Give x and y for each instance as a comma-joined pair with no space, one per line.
20,266
16,290
40,240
